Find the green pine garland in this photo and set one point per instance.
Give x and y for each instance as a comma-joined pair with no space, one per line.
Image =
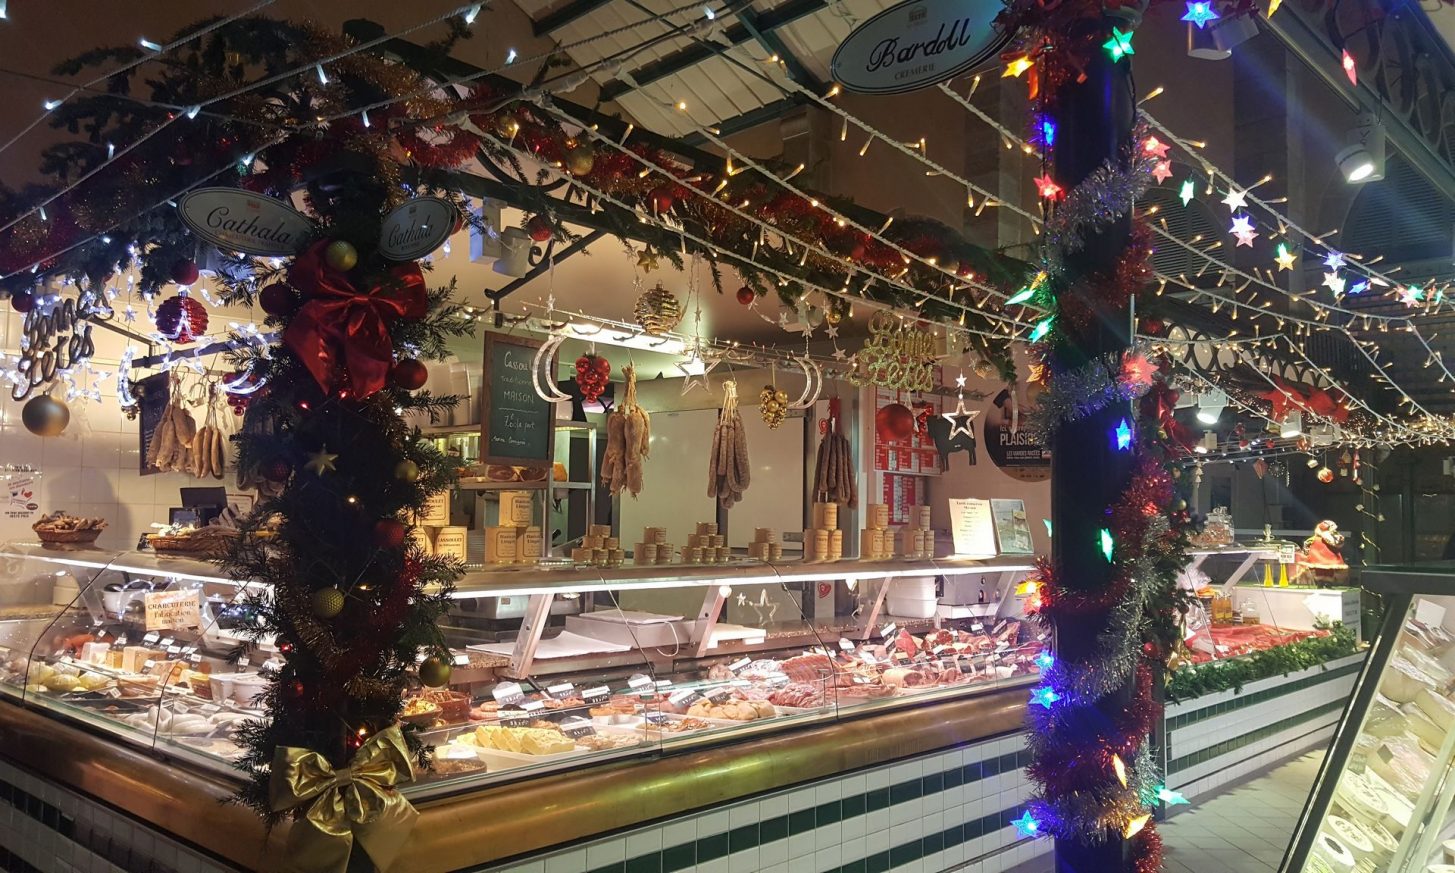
1196,680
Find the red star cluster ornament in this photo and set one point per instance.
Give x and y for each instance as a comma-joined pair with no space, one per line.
1137,369
1153,146
1162,171
1047,187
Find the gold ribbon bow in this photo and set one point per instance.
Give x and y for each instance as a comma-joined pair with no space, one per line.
359,800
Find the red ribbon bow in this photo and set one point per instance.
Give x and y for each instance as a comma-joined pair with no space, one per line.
342,334
1160,404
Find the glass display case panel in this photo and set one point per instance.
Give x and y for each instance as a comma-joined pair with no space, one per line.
1382,801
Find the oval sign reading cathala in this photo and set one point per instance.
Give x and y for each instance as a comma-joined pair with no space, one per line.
417,227
240,221
918,43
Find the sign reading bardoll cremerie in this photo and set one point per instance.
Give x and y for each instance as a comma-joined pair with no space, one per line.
919,43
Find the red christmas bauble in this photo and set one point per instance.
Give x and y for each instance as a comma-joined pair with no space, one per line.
389,533
894,422
22,301
662,198
746,295
1325,475
181,319
410,374
591,376
539,228
278,299
276,470
185,272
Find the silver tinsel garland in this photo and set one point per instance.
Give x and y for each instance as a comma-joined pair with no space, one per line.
1078,393
1106,194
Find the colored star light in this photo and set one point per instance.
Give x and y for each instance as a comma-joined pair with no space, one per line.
1359,287
1047,523
1409,295
1041,330
1047,187
1120,769
1243,229
1048,132
1187,192
1014,69
1045,696
321,461
1273,6
1107,543
1134,826
1350,68
1027,825
1044,660
1170,797
1285,257
960,381
1335,283
1162,171
1236,199
1154,146
1120,44
1334,260
1123,436
1200,12
1138,369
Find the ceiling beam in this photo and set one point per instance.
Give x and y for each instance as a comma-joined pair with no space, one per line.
770,41
553,21
691,55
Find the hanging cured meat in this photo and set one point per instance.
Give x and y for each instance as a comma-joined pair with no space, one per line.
728,472
628,440
833,472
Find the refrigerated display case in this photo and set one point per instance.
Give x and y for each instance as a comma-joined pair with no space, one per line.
1382,798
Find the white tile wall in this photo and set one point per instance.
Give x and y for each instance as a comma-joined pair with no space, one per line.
92,468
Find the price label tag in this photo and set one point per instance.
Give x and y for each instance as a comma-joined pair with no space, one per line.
868,657
576,726
514,717
112,692
888,630
271,666
740,664
174,650
533,707
639,681
507,692
146,668
195,657
684,697
977,627
846,645
664,684
861,680
461,660
209,709
939,650
187,650
151,637
966,665
100,634
719,694
120,641
596,695
562,691
778,679
242,660
655,716
167,642
65,659
899,655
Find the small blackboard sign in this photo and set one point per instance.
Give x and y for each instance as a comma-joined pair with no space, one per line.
517,423
152,395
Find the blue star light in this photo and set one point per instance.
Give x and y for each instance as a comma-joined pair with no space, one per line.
1107,543
1170,797
1045,696
1027,825
1200,12
1123,436
1044,660
1048,132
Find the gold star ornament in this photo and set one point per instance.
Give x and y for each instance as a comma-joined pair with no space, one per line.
321,461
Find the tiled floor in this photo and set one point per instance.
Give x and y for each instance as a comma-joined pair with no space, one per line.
1244,829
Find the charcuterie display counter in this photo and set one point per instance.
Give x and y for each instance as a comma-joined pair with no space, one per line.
565,679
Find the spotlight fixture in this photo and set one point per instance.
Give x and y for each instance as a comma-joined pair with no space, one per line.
1211,404
1216,41
1292,425
1362,160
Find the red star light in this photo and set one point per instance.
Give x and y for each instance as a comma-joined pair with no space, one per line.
1162,171
1047,187
1154,146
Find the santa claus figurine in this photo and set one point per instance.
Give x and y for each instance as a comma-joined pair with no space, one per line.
1321,553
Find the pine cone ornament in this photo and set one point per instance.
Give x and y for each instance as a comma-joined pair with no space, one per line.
658,311
181,319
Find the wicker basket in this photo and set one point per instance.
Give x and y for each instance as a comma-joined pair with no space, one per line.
68,539
206,542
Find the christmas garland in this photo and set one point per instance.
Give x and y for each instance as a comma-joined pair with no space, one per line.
1195,680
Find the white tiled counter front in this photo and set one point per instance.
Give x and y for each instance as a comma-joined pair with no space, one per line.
1219,738
926,814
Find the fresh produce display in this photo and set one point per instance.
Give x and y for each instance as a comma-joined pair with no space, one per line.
728,471
628,441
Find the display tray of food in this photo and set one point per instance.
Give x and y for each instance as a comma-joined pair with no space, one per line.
61,530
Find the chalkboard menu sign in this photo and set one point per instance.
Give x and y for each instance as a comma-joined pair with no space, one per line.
152,395
517,423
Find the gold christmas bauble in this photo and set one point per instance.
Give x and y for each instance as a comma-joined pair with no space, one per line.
657,311
406,471
580,159
341,255
328,602
984,369
434,672
45,416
